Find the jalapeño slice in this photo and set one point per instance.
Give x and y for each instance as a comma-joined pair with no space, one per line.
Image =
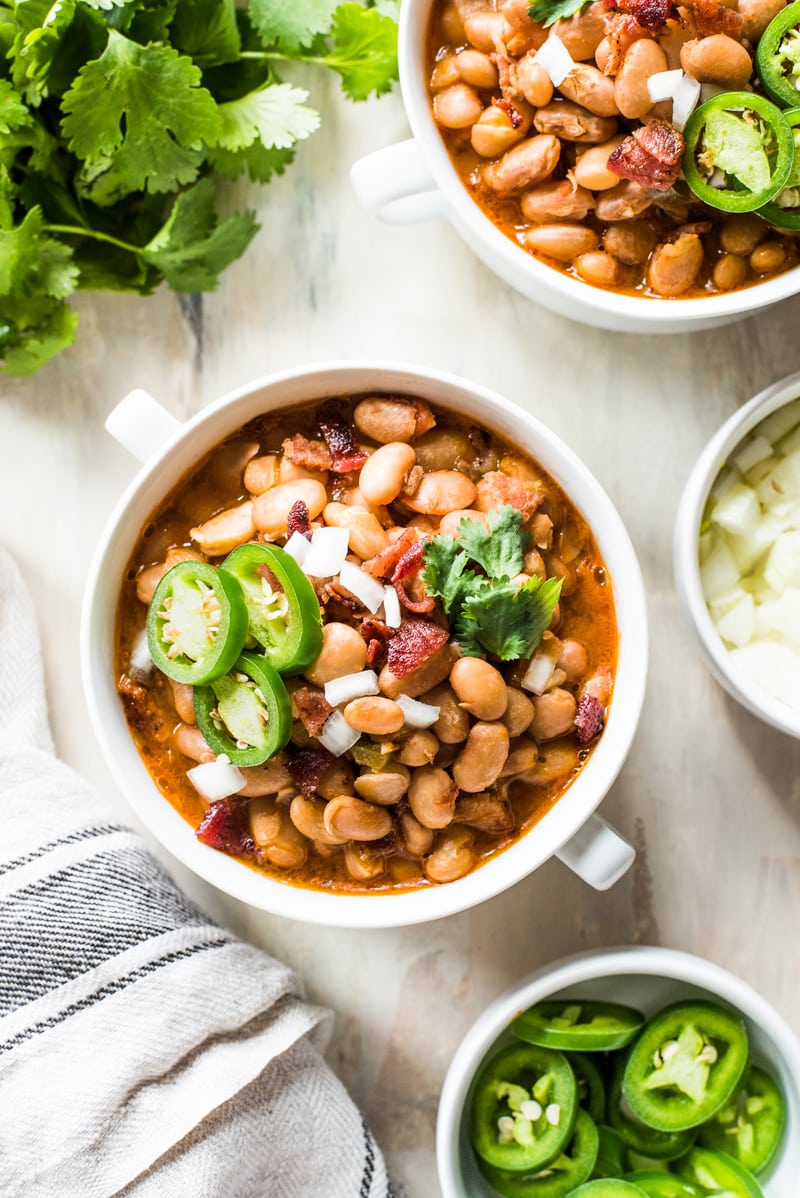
637,1136
612,1154
716,1173
739,151
196,623
524,1108
247,713
608,1187
778,56
783,209
751,1126
578,1026
282,606
572,1167
661,1185
686,1065
591,1088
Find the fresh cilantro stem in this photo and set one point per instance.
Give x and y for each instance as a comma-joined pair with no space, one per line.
328,60
78,231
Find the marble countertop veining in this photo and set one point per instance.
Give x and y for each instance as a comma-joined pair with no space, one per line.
710,797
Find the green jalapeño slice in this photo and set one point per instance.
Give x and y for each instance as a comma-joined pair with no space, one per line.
570,1168
739,151
281,604
751,1126
716,1173
608,1187
661,1185
247,713
686,1065
196,623
578,1027
778,57
783,209
524,1108
636,1135
591,1088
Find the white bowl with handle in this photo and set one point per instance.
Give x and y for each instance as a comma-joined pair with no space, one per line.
647,979
169,450
416,180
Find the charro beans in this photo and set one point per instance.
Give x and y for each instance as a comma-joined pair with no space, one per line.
375,715
261,473
599,269
486,812
450,522
560,200
308,816
440,492
767,257
495,132
367,537
343,652
524,165
476,69
452,857
485,31
423,678
480,688
384,473
717,59
675,265
362,865
418,839
519,712
385,420
385,788
183,700
624,202
573,660
589,87
457,107
480,762
271,510
452,726
591,170
756,15
277,838
563,242
522,758
418,749
266,779
337,779
443,449
631,242
643,59
534,82
730,271
188,739
741,234
571,122
554,716
353,819
582,33
432,796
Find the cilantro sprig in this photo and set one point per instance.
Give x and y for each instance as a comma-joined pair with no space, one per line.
547,12
490,612
119,117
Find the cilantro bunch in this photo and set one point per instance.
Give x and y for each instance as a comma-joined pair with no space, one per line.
547,12
118,116
490,613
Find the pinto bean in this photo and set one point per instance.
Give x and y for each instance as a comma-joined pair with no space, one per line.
519,713
642,59
417,839
591,170
444,73
582,33
452,725
226,530
561,241
148,579
189,740
534,82
602,55
631,242
457,107
555,201
432,796
416,682
449,523
452,24
479,763
522,758
343,652
271,510
453,856
480,688
261,474
374,715
419,749
441,491
555,714
675,265
573,660
717,59
289,472
382,475
495,132
353,819
443,449
361,864
599,269
623,202
757,15
729,272
183,700
487,812
485,30
524,165
367,537
337,779
555,762
384,420
266,779
476,69
589,87
767,257
384,788
569,122
308,816
741,234
277,838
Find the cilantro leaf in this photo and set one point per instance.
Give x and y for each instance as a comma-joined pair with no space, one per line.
139,119
274,114
290,24
207,31
22,353
40,27
364,50
547,12
445,573
13,113
499,548
259,163
506,620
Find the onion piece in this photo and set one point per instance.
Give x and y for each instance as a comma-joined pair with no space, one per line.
365,588
141,663
555,59
351,686
539,672
327,552
337,736
297,547
216,780
391,608
684,101
753,452
663,84
418,715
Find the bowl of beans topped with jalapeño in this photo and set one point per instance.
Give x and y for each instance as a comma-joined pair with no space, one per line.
370,658
636,158
632,1073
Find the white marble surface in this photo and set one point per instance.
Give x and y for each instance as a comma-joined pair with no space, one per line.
710,796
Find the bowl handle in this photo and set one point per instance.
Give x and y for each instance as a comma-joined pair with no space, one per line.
395,185
142,425
598,854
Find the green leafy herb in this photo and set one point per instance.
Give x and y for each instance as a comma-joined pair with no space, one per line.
117,117
490,613
547,12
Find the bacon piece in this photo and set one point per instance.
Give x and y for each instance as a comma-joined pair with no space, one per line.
383,564
588,719
307,767
424,419
341,441
377,635
621,30
413,643
712,17
313,708
135,699
651,14
298,520
224,827
410,563
496,489
313,455
650,156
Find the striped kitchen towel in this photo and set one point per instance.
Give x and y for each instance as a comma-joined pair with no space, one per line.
144,1051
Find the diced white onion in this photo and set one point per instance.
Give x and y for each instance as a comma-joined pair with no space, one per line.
391,607
539,673
141,663
337,736
365,588
755,451
216,780
662,85
555,59
684,100
298,547
327,552
351,686
418,715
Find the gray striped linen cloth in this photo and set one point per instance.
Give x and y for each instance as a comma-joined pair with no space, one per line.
144,1051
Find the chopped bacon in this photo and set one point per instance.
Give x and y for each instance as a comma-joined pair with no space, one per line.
588,719
409,563
496,489
383,564
313,708
307,767
509,84
622,30
710,16
135,699
413,643
224,827
298,520
341,441
313,455
650,156
651,14
506,106
377,635
424,419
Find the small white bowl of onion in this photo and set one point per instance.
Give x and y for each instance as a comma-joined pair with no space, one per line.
737,554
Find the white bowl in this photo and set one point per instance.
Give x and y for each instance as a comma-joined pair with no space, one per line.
645,978
687,561
570,828
415,180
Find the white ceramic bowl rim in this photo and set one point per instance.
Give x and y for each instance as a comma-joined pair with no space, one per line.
686,550
413,24
558,825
